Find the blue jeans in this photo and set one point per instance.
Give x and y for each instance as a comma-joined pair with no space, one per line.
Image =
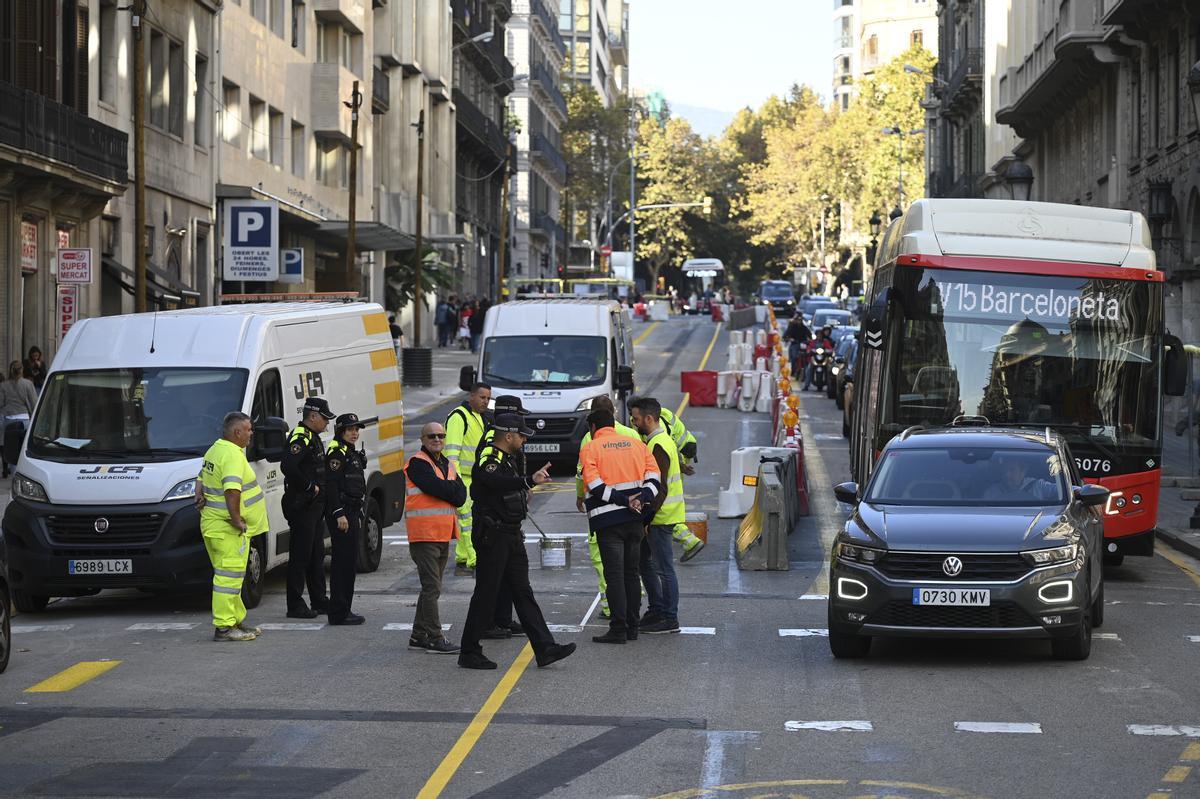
658,572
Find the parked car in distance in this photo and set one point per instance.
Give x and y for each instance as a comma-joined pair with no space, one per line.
780,295
844,344
971,532
831,316
811,302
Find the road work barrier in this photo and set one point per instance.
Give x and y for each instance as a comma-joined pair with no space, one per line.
744,317
762,535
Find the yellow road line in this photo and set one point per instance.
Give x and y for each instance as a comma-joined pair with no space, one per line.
687,396
72,678
466,742
1180,562
645,333
1177,774
1191,754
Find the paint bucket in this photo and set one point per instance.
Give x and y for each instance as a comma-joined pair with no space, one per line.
556,553
697,522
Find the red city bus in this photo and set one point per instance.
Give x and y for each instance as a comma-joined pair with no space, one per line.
1025,314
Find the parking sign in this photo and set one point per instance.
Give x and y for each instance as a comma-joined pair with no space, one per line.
251,240
291,266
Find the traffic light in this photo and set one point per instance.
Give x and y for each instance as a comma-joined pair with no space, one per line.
707,209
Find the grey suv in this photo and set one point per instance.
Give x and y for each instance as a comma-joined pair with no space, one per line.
970,532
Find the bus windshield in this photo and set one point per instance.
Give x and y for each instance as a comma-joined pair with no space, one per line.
1073,353
534,361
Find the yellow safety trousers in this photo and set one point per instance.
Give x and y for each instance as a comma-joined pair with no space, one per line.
228,553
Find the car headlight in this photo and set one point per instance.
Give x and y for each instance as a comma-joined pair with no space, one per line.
185,490
586,405
791,302
1047,557
24,488
857,554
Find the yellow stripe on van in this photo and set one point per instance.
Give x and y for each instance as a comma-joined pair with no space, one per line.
375,323
392,462
391,427
383,359
387,392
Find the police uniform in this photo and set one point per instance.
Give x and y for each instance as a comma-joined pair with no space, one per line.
345,497
500,496
303,506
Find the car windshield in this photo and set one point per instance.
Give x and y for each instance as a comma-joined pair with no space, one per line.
530,361
158,412
824,316
777,291
968,476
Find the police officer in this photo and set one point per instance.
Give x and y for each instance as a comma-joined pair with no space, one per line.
464,430
346,491
501,501
303,507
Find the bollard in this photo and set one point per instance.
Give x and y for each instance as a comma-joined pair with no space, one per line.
766,392
748,394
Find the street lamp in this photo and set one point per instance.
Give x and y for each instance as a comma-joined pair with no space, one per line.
1019,178
482,38
1160,202
910,69
875,222
896,130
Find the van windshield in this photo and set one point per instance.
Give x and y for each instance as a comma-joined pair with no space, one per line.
143,413
532,361
776,291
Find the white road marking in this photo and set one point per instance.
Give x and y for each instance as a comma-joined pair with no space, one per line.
697,630
407,627
830,726
41,628
821,597
565,628
803,632
717,768
1019,727
1195,639
828,436
1105,637
163,626
591,609
397,543
1163,729
287,625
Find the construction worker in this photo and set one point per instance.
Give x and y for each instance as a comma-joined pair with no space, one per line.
303,468
685,443
621,477
601,403
658,573
232,512
345,499
464,430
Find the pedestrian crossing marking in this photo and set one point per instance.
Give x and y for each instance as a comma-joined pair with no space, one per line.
829,726
1105,637
41,628
272,626
1018,728
697,630
564,628
162,626
72,678
1164,729
1191,754
1195,639
803,632
815,597
407,627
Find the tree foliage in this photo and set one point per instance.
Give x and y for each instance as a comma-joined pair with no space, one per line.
594,140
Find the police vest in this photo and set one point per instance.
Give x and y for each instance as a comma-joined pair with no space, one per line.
427,517
353,479
672,511
462,439
302,435
225,467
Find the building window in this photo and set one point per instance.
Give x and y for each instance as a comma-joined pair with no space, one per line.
176,97
347,49
276,142
258,9
564,14
1175,123
203,120
298,25
231,113
323,48
107,55
327,163
582,16
583,58
1154,95
278,17
156,77
299,150
916,39
259,139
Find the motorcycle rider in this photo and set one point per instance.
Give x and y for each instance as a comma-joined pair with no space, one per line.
822,340
797,335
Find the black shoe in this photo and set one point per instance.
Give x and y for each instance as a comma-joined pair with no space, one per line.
322,608
516,629
631,634
553,654
302,613
497,634
661,627
649,617
351,618
475,661
611,637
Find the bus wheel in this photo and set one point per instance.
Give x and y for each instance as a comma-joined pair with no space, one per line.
256,572
370,545
29,603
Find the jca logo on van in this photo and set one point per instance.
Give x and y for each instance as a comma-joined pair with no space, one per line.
110,473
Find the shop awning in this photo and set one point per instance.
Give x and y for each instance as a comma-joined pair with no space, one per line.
161,287
368,235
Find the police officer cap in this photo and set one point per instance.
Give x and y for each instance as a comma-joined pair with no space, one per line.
507,403
512,423
348,420
318,405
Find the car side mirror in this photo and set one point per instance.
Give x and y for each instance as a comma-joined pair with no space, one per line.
269,442
466,377
846,492
624,377
1091,495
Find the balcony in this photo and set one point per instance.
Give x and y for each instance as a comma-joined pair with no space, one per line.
381,91
541,80
331,86
964,87
843,41
36,125
618,48
481,129
488,55
544,150
543,224
348,13
542,19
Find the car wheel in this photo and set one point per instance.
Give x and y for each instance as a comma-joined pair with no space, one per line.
1111,559
370,544
29,603
845,646
256,572
5,630
1098,607
1078,644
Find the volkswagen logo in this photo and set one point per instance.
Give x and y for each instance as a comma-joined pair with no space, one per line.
541,424
952,566
100,525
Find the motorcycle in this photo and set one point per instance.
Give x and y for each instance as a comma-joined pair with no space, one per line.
820,367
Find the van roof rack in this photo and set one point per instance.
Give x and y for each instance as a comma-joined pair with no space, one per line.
967,420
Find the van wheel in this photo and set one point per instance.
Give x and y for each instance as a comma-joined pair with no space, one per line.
1078,644
5,629
29,603
256,572
370,544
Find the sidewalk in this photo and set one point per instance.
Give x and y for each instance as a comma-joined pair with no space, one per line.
1180,490
447,362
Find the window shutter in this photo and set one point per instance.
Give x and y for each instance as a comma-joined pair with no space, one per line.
27,63
81,61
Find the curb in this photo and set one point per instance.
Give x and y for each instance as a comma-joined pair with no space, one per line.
1179,541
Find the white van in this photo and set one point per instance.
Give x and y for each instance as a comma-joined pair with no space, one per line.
557,355
103,491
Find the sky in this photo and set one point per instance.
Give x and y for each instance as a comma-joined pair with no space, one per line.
717,55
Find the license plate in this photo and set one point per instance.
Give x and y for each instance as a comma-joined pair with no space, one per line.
123,566
968,597
542,447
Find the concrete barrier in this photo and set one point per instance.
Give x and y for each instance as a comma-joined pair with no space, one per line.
762,536
744,317
738,498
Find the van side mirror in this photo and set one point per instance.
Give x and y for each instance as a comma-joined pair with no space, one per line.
1175,367
466,377
624,377
846,492
269,442
1091,495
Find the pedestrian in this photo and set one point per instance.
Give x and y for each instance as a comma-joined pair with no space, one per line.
601,403
443,319
667,510
464,431
18,397
345,498
464,326
475,325
434,493
232,512
397,333
35,368
303,506
501,495
621,478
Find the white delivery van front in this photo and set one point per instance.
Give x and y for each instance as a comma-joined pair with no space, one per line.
103,491
557,355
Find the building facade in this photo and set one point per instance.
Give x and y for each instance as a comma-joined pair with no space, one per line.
869,33
955,109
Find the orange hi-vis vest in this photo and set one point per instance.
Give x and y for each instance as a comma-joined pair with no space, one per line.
428,518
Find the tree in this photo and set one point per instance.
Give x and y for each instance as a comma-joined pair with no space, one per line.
399,279
594,140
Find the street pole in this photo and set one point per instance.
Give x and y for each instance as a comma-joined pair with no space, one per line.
139,158
901,165
353,279
417,298
504,224
633,207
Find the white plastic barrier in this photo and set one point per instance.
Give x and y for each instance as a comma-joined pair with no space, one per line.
743,476
660,312
760,338
760,364
776,365
749,381
736,338
760,314
766,392
726,389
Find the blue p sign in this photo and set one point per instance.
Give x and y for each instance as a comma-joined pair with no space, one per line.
251,240
250,228
291,266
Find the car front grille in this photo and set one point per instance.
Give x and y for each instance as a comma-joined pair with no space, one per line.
123,528
562,427
898,613
928,566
